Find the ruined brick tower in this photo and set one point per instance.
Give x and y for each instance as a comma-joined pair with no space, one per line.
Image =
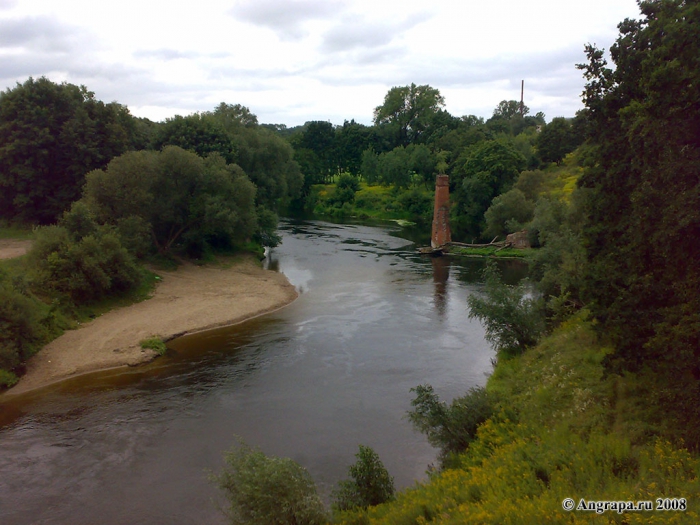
441,213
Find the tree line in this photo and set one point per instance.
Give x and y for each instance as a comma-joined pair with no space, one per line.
105,190
413,138
618,261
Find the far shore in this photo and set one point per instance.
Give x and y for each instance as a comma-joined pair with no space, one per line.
190,299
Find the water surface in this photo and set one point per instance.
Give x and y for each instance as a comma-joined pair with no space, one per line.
311,382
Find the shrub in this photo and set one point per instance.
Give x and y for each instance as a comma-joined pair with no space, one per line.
417,203
370,483
513,320
508,213
7,379
266,490
341,196
347,181
85,270
450,428
82,260
23,327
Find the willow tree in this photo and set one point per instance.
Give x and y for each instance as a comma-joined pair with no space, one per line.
175,198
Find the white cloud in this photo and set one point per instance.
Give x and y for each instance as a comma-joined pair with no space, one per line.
297,60
287,18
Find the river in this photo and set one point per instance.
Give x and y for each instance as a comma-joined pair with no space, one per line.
311,381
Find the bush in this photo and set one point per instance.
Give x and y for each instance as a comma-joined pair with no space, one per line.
512,319
450,428
347,181
417,203
7,379
85,270
508,213
370,483
265,490
21,328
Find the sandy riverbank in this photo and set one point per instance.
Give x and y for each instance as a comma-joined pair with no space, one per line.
10,248
187,300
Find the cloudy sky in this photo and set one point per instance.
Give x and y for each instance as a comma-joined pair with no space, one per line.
291,61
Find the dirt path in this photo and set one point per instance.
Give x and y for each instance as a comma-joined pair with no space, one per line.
10,248
188,300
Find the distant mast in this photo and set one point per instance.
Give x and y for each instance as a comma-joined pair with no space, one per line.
441,213
522,98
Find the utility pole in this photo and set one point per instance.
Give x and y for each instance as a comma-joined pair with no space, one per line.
522,98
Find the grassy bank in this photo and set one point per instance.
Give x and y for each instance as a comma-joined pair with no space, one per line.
564,429
491,251
15,232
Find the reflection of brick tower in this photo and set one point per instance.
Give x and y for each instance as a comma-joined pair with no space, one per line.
441,213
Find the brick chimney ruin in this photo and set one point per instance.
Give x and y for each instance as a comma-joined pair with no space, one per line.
441,213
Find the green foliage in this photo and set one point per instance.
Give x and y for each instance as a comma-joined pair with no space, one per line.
576,435
395,168
418,204
268,161
266,490
643,196
348,181
556,140
450,428
233,133
198,133
377,202
492,251
423,162
532,183
7,379
51,135
82,260
25,324
508,213
408,111
155,343
370,483
175,198
316,152
10,231
558,265
508,109
490,168
513,320
351,140
345,189
370,166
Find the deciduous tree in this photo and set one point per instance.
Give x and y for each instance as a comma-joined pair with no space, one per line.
408,111
178,196
51,135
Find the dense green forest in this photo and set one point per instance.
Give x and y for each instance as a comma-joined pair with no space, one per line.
596,388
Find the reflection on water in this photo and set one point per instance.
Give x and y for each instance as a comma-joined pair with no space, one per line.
441,274
311,382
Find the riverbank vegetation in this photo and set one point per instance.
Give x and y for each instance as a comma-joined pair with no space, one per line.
595,390
596,384
100,193
604,406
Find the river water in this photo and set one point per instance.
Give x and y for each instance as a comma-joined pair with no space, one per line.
311,381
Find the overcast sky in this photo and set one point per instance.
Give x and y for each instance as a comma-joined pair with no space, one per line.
291,61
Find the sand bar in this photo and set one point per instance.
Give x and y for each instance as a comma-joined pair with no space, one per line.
190,299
